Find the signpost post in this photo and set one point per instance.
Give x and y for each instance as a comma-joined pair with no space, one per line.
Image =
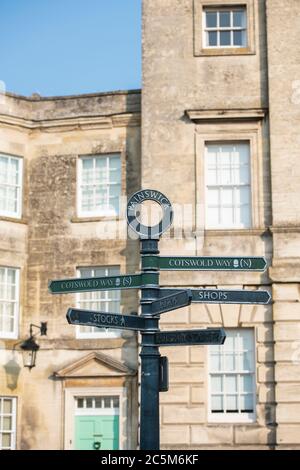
156,300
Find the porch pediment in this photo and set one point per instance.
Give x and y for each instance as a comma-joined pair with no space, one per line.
94,364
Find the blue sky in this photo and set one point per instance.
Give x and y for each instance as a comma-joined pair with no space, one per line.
63,47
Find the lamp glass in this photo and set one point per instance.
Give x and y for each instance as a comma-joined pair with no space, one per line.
29,357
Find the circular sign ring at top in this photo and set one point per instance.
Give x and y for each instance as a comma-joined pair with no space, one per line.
144,231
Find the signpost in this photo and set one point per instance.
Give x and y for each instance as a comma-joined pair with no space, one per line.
156,300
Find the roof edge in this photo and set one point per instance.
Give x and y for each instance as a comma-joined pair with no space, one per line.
37,97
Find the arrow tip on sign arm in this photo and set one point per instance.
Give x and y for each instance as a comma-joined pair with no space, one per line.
68,315
266,265
49,286
223,335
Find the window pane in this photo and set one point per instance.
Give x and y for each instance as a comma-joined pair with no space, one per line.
3,191
12,198
238,38
115,169
107,402
246,403
225,19
211,19
3,169
211,155
116,402
243,216
7,423
239,19
89,402
87,164
227,197
11,276
79,402
246,340
98,402
212,38
6,440
101,197
217,403
85,272
229,362
227,216
229,343
231,384
101,171
13,175
213,197
7,406
217,384
246,383
114,204
231,403
212,176
88,171
215,362
225,38
87,198
246,361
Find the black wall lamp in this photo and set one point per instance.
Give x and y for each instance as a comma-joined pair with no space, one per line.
30,347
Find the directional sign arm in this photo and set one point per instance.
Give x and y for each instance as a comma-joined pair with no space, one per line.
190,337
178,299
105,320
129,281
221,296
206,263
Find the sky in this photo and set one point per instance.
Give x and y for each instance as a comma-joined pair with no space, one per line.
65,47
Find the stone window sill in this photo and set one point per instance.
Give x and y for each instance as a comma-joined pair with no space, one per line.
225,51
78,220
14,219
232,232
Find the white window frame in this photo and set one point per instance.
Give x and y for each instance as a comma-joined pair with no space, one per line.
14,333
230,28
18,213
14,421
233,417
71,411
111,411
234,226
109,333
95,213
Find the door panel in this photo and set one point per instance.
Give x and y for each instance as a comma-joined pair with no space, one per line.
97,429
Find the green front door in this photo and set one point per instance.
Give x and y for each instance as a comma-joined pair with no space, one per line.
97,432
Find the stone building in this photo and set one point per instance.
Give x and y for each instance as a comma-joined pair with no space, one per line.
51,228
219,135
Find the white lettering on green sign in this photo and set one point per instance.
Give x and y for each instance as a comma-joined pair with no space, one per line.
115,320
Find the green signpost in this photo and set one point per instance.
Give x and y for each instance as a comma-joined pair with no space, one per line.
156,300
